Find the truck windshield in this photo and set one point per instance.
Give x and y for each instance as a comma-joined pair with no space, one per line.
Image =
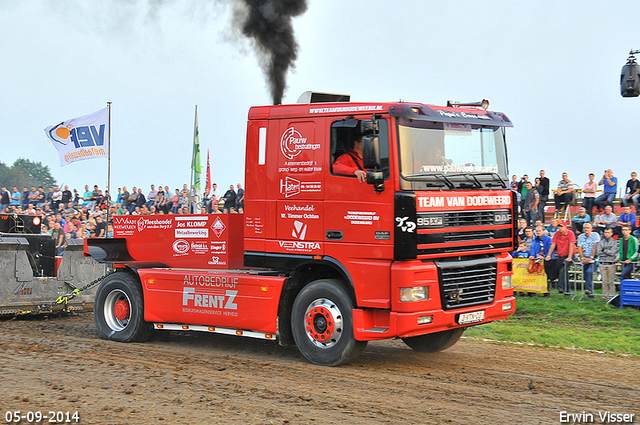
443,150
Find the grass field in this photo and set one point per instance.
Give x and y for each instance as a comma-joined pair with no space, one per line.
559,322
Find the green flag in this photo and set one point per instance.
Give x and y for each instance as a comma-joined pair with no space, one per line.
195,163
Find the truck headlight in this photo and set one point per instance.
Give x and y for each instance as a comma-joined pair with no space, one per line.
506,282
417,293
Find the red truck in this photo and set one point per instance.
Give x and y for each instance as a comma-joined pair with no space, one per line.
420,250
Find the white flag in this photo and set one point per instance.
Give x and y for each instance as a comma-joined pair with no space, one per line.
81,138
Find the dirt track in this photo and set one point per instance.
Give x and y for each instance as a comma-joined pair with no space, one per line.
59,364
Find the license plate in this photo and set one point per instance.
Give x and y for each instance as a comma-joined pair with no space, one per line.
473,317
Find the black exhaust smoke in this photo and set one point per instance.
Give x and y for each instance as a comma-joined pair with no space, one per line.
267,23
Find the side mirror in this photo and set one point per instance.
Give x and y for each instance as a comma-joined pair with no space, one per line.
630,80
371,161
371,151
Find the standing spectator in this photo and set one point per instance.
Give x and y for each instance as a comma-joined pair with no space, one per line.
589,194
564,240
607,253
530,204
514,183
606,220
66,195
564,194
627,252
140,201
86,198
25,198
522,189
587,245
49,197
15,197
41,199
528,237
124,199
240,199
229,200
101,227
632,191
579,220
59,238
610,189
5,199
522,224
539,249
33,196
133,197
544,194
626,218
76,198
56,199
175,202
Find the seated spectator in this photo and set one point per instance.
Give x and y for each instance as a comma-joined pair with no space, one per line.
605,220
564,194
632,192
610,184
626,218
552,228
579,220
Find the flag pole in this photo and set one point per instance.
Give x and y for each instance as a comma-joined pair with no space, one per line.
193,159
108,167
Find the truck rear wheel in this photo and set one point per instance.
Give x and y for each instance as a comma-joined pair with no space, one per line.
436,341
118,309
322,324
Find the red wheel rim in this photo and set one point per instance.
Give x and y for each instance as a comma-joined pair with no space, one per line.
319,323
121,310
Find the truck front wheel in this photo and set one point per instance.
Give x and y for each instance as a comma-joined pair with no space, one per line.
118,309
436,341
322,324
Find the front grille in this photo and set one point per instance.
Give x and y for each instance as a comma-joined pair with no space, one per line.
467,283
469,218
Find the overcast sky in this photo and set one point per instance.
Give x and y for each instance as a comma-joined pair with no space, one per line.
552,67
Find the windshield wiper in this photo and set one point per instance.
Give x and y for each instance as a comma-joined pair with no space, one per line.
476,182
496,177
419,176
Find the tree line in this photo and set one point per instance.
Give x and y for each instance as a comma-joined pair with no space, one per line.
27,173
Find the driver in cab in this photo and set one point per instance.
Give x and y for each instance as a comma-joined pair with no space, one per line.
350,163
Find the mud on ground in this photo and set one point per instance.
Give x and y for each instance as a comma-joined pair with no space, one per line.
59,364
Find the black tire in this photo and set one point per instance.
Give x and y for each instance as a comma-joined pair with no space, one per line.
322,324
118,309
434,342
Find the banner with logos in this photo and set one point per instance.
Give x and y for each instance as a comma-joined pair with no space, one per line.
81,138
523,281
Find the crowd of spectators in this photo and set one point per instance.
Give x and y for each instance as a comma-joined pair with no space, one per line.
90,214
594,238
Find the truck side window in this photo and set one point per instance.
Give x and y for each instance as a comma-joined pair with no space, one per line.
343,133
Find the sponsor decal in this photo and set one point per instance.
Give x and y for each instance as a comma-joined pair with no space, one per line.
292,143
464,201
405,225
383,235
363,108
130,224
299,230
180,247
299,246
362,217
300,212
218,227
209,301
191,233
218,247
291,187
